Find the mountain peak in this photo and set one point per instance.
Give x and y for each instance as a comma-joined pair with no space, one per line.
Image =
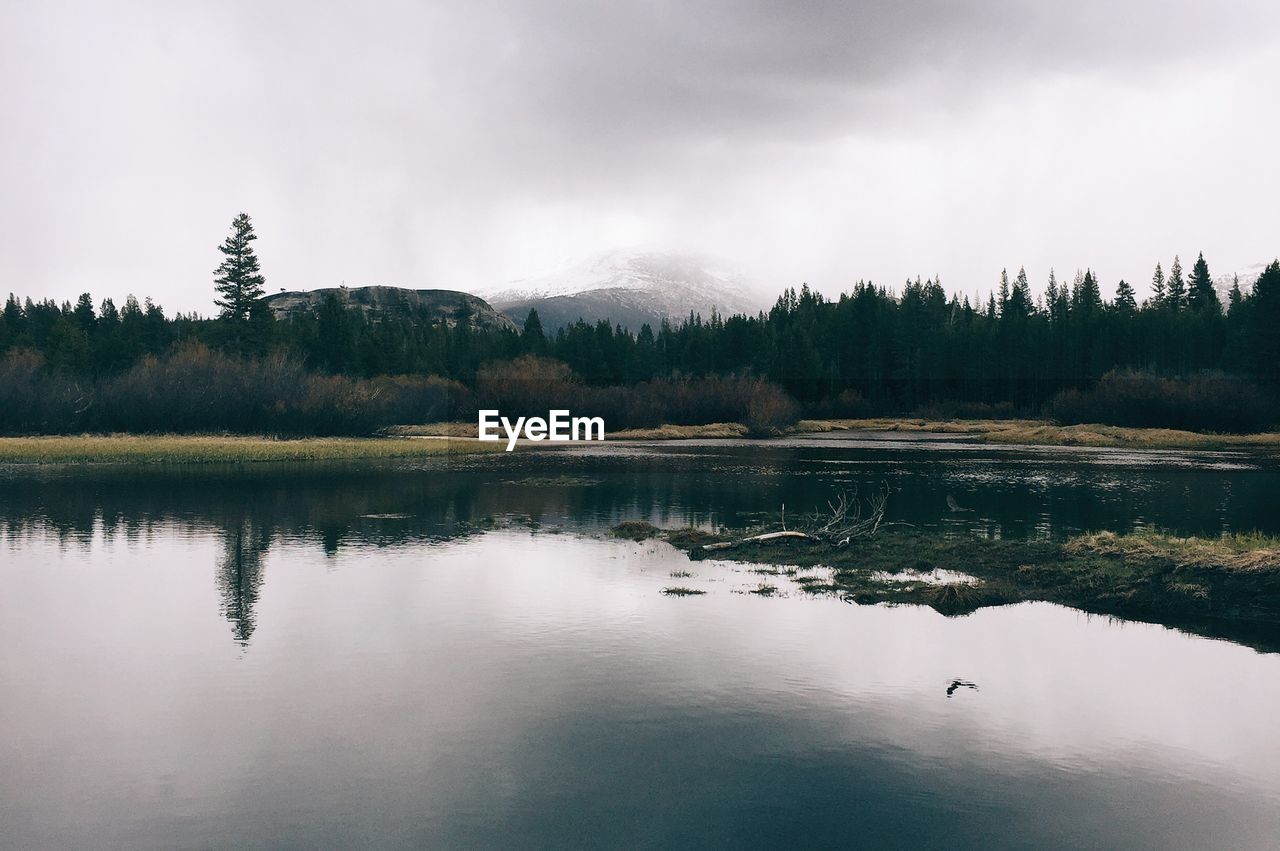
628,287
1247,275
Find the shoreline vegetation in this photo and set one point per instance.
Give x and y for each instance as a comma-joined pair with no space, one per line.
1045,433
1005,432
222,449
460,437
1232,581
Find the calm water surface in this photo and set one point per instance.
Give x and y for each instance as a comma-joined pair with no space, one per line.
316,657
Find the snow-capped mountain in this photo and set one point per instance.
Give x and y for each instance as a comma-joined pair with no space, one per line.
628,288
1247,275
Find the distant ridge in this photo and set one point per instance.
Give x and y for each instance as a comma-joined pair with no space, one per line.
628,288
446,306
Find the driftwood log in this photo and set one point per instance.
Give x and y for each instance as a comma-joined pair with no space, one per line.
842,523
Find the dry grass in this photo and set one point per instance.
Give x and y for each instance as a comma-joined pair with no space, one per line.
909,424
681,432
681,591
436,430
662,432
1024,432
1040,433
202,449
1236,552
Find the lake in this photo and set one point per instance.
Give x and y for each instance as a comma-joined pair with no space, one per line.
458,655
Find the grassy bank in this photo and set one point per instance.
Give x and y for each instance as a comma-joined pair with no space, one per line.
1041,433
202,449
1147,575
1022,432
663,432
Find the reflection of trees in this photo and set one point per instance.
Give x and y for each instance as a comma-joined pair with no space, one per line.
363,507
240,574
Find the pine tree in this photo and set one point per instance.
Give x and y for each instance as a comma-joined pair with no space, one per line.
1019,303
1125,300
239,282
13,312
1202,295
1004,290
1157,287
1265,315
1176,297
1235,297
534,338
86,320
1087,296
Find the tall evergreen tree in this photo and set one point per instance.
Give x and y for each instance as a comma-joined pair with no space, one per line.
1265,315
1176,297
1020,303
239,280
1087,296
534,338
1157,287
86,320
1235,297
1202,295
1126,303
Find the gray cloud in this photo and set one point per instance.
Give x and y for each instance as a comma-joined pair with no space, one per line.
449,143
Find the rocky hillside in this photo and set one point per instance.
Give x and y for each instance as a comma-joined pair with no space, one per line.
447,306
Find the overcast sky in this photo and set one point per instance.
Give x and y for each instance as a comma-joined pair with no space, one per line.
463,144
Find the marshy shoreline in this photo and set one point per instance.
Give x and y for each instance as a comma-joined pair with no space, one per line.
1226,587
223,449
456,437
1002,432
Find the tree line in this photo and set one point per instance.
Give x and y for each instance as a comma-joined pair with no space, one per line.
872,349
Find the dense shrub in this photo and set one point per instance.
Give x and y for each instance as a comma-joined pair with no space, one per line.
961,410
31,400
413,399
527,386
1204,402
769,409
198,390
195,389
847,404
532,386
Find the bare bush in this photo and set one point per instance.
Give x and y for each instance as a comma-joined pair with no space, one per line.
33,400
1204,402
769,409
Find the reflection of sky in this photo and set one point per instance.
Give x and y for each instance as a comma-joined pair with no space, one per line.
542,683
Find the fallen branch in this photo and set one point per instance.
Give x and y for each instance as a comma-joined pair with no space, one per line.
767,536
842,524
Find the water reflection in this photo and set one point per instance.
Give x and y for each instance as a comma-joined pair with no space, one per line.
955,489
531,689
240,573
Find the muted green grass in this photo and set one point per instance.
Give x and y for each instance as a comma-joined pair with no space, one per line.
213,449
1042,433
681,591
636,530
1234,552
681,432
1232,582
